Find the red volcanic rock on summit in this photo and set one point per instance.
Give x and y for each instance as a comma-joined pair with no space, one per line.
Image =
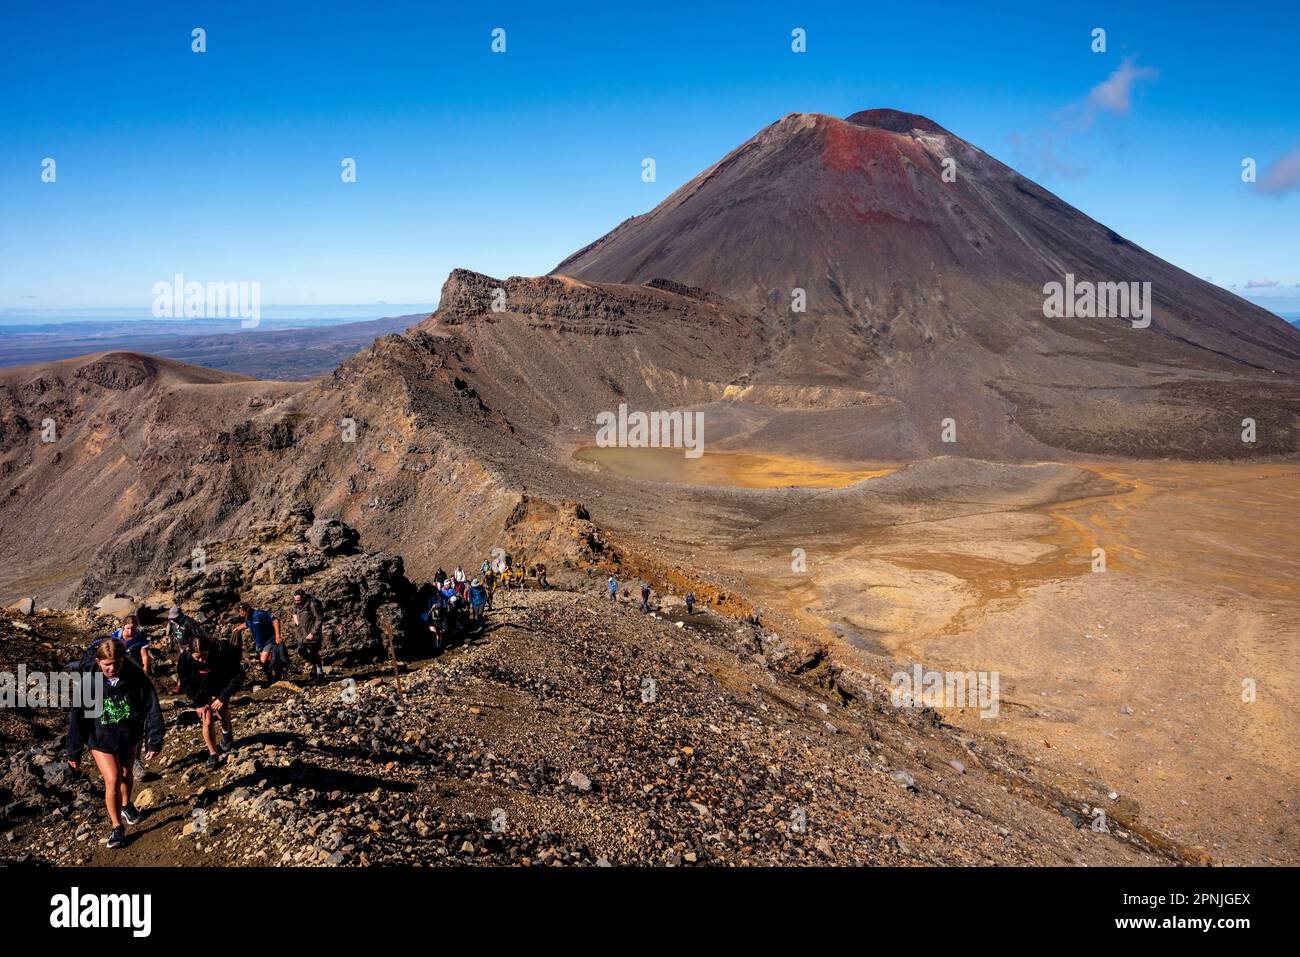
858,213
928,289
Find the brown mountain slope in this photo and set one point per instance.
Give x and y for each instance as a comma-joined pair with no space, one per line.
449,425
87,444
924,303
931,293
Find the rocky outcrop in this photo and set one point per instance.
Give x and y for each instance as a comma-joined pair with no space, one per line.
538,529
363,592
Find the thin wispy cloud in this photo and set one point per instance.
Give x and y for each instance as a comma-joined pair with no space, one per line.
1054,151
1282,177
1261,283
1115,93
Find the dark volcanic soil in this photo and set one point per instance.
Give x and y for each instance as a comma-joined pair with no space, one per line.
574,732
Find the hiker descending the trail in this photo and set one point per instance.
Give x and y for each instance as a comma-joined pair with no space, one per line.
690,603
268,643
485,567
133,637
477,600
612,585
521,572
210,673
541,575
309,625
490,586
645,598
128,716
459,574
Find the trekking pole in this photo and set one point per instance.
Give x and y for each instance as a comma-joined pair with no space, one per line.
392,654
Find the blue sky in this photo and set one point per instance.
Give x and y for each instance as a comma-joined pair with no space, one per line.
225,165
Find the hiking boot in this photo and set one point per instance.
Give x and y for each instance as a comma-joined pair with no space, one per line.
130,815
116,837
227,742
138,771
212,763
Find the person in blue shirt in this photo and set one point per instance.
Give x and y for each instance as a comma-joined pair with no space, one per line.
133,638
264,628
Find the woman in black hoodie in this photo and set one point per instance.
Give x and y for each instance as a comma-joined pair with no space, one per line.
128,714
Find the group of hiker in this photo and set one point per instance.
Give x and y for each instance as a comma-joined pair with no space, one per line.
459,603
209,671
611,586
125,731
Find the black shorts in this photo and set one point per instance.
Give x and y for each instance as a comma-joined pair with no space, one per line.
125,756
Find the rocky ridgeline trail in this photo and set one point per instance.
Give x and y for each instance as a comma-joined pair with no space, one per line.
573,731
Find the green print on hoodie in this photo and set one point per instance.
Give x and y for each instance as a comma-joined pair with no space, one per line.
116,710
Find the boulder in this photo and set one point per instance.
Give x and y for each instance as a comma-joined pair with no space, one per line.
333,537
24,606
360,593
118,606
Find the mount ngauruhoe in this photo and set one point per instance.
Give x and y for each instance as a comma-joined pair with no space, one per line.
917,263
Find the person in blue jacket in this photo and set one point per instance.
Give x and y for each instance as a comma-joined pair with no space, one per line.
477,600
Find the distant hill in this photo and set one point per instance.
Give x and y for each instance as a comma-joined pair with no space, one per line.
280,354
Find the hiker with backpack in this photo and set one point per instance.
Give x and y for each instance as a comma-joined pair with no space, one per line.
612,585
690,603
178,631
477,600
268,643
541,575
438,626
210,673
309,622
129,715
181,628
137,652
645,598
